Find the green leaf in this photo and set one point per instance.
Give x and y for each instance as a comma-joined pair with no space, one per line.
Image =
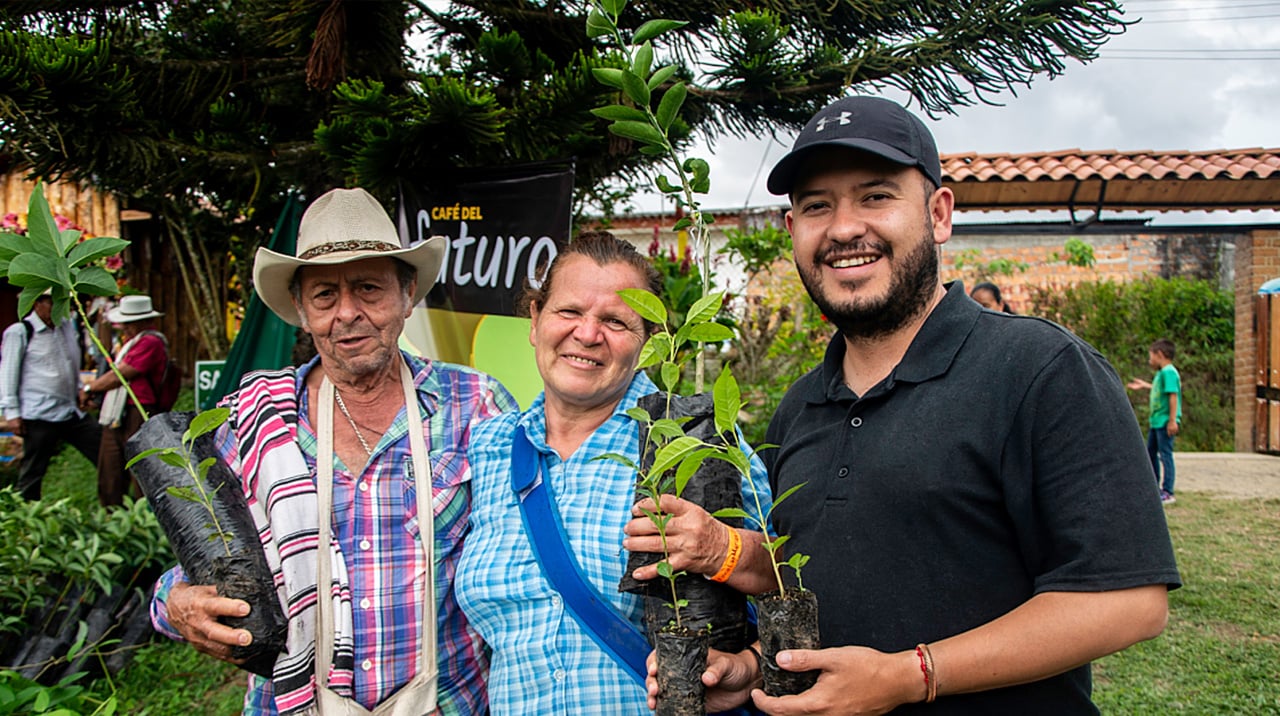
12,244
203,470
670,376
664,569
705,308
174,459
728,401
27,299
611,76
96,248
68,238
646,304
739,460
205,422
710,333
42,230
666,428
95,281
665,186
146,454
662,74
669,106
642,62
639,131
654,28
689,466
182,493
38,271
777,543
683,223
618,458
640,415
613,7
599,25
786,494
620,113
655,350
671,453
731,512
701,170
636,88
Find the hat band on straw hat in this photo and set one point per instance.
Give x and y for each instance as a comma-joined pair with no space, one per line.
339,246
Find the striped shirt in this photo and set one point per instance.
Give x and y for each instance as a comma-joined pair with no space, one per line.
543,661
374,523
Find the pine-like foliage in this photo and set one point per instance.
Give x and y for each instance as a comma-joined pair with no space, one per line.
227,104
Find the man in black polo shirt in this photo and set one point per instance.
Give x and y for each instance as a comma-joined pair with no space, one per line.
978,507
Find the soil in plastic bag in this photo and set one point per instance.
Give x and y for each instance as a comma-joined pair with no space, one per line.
715,486
682,657
238,566
787,623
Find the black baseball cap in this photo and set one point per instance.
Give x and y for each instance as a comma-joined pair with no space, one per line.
871,124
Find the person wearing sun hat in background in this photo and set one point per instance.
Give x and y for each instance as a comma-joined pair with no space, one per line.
346,462
141,359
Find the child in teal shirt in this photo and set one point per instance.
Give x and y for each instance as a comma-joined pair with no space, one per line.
1166,413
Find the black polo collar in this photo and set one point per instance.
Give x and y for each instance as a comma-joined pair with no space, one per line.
930,354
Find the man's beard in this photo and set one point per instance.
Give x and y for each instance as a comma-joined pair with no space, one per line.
911,287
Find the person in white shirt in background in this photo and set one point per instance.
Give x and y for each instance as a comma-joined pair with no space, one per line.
40,391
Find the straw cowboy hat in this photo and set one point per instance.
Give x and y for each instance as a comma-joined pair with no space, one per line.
133,308
341,226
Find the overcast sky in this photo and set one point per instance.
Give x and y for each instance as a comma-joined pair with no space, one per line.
1191,75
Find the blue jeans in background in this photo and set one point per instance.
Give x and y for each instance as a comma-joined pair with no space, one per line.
1160,448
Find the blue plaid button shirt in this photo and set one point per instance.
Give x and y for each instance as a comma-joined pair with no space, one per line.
543,662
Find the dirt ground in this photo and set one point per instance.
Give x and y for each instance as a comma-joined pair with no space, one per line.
1236,475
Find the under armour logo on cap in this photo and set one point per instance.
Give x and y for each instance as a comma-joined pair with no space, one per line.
869,124
841,118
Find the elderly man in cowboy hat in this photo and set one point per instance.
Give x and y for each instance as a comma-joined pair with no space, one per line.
373,441
141,359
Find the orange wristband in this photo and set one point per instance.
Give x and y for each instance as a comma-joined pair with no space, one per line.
730,558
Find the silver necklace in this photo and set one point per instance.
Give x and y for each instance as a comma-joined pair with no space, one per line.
343,407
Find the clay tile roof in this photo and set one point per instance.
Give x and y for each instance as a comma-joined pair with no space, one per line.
1144,180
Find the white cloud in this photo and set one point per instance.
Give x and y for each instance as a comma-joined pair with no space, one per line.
1120,101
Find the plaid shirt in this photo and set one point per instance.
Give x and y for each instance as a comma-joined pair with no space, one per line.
373,514
543,661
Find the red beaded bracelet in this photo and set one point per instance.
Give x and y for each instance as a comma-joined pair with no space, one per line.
926,668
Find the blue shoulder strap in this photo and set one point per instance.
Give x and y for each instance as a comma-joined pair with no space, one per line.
619,638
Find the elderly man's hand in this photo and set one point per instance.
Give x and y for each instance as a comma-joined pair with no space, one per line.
696,541
194,612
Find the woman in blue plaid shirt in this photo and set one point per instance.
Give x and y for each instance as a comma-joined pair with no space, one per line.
587,343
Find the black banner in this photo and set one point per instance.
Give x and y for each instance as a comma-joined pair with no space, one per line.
501,225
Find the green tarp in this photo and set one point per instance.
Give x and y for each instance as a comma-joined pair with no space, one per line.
264,341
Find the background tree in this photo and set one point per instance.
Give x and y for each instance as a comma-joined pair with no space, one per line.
210,112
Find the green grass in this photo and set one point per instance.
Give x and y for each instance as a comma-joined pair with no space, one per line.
1219,655
1221,651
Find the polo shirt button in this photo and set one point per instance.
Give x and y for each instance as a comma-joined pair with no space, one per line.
844,472
364,487
856,422
559,674
555,601
365,544
366,664
364,603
